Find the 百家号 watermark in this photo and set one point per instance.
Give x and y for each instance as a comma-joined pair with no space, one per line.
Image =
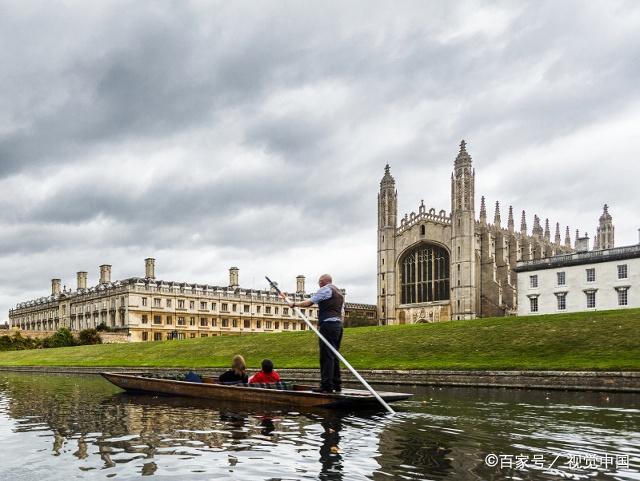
553,462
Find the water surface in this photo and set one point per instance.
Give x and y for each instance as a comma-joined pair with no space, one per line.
81,427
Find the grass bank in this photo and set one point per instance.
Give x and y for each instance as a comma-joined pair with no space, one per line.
607,340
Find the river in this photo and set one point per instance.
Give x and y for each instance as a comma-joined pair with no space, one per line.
61,427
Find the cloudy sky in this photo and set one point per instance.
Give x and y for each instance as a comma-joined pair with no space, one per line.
212,134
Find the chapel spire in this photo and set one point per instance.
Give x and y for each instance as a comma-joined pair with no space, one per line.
510,225
567,238
557,239
496,215
523,223
604,238
547,231
483,211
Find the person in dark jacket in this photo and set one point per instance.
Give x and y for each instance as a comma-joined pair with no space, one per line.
330,303
237,373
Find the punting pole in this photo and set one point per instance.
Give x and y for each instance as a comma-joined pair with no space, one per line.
333,349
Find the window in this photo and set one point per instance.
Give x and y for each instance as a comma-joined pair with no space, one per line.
246,308
533,281
622,296
144,301
562,279
169,320
204,322
192,335
258,309
157,319
213,306
591,275
622,272
180,321
267,324
214,322
157,302
192,304
247,324
157,336
285,325
424,275
192,321
303,311
285,311
234,323
225,322
533,304
145,336
204,335
422,230
203,306
276,310
258,324
591,299
145,319
234,307
168,302
180,303
562,301
276,325
225,307
267,310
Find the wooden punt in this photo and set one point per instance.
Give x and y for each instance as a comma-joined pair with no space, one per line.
299,396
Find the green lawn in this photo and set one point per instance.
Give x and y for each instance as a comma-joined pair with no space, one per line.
607,340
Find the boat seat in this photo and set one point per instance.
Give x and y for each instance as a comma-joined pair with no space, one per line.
279,385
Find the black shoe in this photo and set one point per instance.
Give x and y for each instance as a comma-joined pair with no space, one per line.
321,389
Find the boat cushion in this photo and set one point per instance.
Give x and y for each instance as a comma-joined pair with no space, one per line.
192,377
279,385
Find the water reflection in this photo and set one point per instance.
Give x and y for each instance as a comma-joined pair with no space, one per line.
60,427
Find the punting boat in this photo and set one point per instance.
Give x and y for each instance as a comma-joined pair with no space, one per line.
295,395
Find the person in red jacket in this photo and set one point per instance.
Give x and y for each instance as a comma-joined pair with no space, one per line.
267,374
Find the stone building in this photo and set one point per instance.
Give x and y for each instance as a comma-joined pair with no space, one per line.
435,266
151,309
605,278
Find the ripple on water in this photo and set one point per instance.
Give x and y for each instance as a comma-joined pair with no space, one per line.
80,426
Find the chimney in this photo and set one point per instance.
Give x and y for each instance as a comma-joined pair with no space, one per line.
150,268
582,243
82,279
105,274
300,284
233,277
55,287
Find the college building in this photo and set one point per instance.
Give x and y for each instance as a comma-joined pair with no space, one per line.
606,278
149,309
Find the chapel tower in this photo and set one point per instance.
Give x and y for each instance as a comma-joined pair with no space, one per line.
387,223
604,233
463,252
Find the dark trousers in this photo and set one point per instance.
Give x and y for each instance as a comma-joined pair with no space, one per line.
329,363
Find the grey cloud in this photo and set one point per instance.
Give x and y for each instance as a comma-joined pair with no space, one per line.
83,86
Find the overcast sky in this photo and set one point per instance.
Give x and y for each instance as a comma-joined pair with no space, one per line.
255,134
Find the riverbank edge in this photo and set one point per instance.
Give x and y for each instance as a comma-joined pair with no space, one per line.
621,381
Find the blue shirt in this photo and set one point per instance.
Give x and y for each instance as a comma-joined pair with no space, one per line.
323,294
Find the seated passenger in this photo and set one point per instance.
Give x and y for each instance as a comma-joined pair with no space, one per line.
237,373
267,374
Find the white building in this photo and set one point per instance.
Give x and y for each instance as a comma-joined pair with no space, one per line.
584,281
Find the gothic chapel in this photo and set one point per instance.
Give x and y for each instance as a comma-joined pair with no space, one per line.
434,266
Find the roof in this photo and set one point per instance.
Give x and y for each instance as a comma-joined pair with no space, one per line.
580,258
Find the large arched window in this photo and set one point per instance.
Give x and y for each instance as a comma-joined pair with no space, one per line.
425,275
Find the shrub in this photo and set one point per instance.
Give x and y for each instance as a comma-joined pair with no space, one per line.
89,336
62,338
102,327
